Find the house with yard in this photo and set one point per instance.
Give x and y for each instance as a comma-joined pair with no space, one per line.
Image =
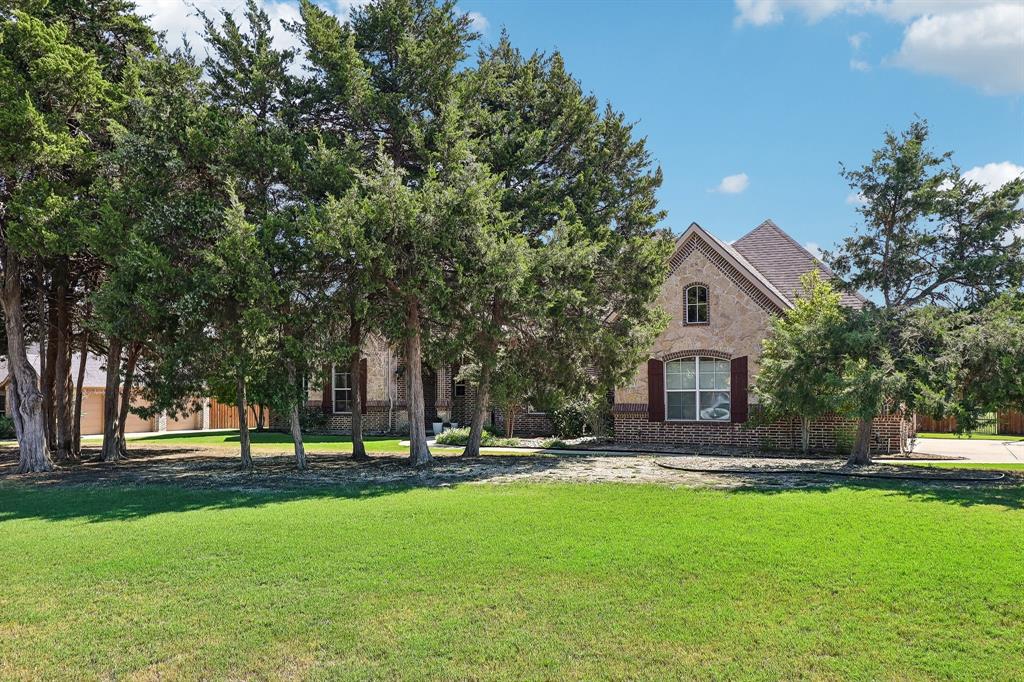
210,415
695,388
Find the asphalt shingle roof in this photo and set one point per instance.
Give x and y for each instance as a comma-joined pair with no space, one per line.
782,261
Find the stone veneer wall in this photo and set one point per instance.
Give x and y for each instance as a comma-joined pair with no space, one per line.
738,316
631,426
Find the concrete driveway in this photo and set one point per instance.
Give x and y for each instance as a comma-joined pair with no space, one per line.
982,451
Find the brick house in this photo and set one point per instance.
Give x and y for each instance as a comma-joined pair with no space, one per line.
695,386
693,389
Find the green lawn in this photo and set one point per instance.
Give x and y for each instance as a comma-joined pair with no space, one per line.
518,581
972,436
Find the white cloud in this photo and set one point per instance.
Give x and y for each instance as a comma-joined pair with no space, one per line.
857,39
977,42
992,176
859,65
181,19
732,184
814,248
983,46
855,199
478,22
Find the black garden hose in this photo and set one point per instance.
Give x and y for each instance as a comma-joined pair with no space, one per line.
845,474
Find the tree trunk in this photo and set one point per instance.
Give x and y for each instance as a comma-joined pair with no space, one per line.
355,338
83,355
126,396
62,372
805,434
861,453
295,422
419,453
510,421
49,375
26,402
243,423
111,447
259,414
483,397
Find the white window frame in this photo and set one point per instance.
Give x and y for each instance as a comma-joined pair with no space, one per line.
335,389
697,305
697,390
456,386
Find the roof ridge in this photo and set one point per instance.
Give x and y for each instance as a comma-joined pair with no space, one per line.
755,274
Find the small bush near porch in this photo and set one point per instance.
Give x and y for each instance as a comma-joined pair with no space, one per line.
538,581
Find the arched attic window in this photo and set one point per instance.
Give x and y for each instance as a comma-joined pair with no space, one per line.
697,304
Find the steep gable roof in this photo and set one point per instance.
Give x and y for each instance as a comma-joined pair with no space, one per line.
732,261
783,261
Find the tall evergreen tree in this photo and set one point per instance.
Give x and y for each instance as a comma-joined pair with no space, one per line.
929,236
572,281
54,98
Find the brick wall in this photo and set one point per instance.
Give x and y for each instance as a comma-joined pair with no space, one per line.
631,426
375,420
526,424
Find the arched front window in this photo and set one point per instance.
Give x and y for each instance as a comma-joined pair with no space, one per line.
697,389
696,304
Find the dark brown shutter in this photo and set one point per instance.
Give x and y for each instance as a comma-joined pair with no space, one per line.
362,385
327,400
738,384
655,390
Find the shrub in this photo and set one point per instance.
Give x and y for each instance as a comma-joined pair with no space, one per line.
453,437
6,427
583,416
554,444
312,418
845,439
460,436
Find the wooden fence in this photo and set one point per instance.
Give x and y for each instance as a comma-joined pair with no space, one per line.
1006,423
224,416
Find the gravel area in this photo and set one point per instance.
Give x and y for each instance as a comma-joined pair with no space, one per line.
218,468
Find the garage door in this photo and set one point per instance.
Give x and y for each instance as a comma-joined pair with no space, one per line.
92,415
188,422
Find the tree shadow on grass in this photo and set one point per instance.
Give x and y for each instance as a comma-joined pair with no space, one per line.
1007,492
166,479
155,482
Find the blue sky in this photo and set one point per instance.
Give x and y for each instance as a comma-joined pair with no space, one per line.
749,107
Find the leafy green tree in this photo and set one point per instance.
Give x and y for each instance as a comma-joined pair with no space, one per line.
250,91
801,367
382,87
54,98
576,270
929,236
982,362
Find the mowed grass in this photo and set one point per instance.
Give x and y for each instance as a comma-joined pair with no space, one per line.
511,582
972,436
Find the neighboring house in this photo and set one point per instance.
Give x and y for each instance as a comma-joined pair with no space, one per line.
695,388
94,386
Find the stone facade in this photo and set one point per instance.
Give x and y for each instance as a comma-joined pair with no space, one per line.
741,306
737,321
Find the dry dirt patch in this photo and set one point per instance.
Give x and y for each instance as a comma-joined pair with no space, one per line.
212,467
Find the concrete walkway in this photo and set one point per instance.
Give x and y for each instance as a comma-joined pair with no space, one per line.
973,450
